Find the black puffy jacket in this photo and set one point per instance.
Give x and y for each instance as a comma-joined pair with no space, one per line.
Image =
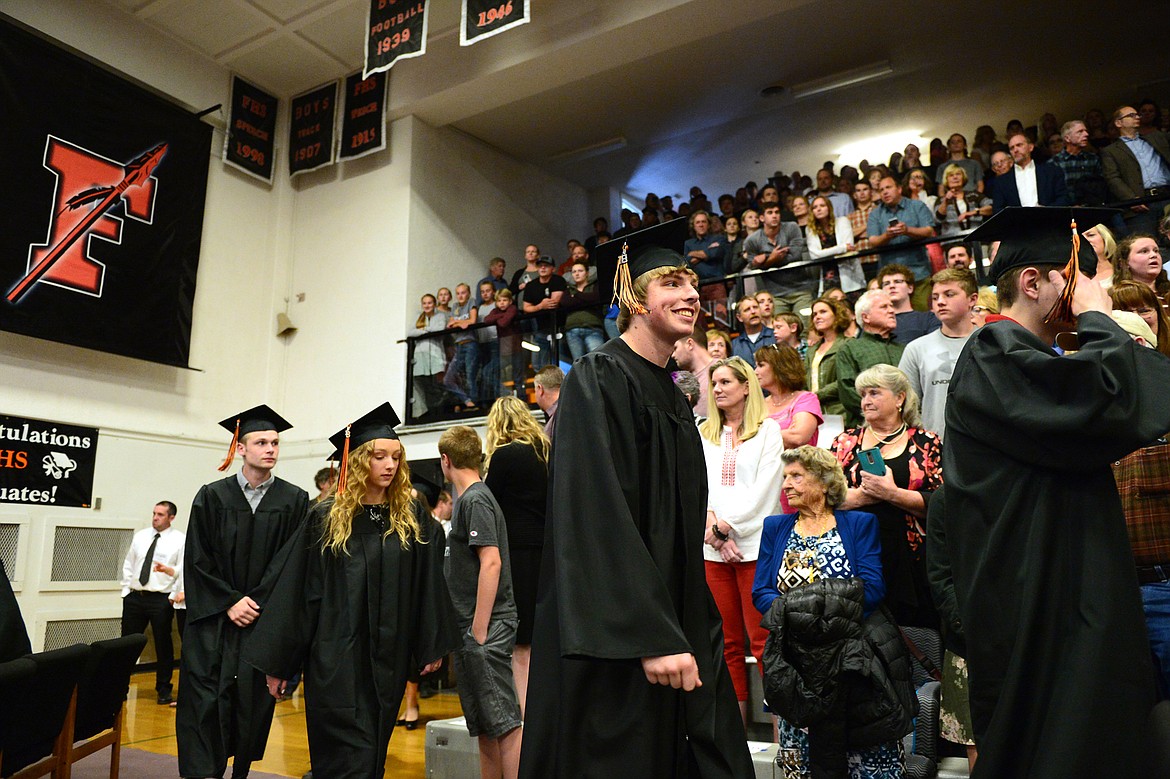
824,665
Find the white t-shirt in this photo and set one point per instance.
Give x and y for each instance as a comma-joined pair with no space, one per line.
929,362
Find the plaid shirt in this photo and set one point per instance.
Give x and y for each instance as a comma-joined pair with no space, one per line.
854,356
859,220
1077,166
1141,481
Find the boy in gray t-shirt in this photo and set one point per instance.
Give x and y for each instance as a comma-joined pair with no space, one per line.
477,522
479,579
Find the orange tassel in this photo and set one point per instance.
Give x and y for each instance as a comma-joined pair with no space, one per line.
623,285
343,469
231,455
1062,310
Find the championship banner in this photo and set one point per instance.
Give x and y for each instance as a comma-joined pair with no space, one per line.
46,463
250,144
396,30
312,119
102,205
483,18
363,120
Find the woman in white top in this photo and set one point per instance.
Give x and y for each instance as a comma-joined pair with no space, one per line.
828,234
742,448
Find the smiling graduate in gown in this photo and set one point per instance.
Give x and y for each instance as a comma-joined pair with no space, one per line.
360,602
627,674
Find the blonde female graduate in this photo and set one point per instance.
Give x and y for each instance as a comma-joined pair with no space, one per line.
361,599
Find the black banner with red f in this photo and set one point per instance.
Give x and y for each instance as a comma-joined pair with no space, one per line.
102,199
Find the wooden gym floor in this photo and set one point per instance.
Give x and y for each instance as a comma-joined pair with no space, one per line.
151,727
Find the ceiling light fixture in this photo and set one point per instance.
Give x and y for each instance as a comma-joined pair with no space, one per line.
590,150
846,78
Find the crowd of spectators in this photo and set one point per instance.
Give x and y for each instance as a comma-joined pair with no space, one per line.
753,241
869,338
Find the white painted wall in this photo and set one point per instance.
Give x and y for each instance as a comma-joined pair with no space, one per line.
361,241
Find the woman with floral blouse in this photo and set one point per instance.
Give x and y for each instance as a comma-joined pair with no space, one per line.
899,496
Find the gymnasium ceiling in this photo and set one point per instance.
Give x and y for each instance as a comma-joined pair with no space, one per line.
677,83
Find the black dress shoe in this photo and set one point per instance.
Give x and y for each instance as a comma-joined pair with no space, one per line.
165,699
411,724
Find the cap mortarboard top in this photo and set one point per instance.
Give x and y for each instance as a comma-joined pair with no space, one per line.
639,252
254,419
1044,235
1039,234
377,423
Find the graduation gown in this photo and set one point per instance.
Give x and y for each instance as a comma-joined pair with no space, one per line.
1061,682
13,636
224,706
622,579
358,623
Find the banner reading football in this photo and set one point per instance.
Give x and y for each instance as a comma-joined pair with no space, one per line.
251,143
46,462
484,18
103,205
310,129
363,122
395,30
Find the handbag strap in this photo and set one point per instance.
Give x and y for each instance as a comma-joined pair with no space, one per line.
920,656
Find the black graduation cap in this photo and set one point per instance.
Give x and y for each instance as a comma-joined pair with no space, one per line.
376,423
659,246
254,419
1040,234
427,478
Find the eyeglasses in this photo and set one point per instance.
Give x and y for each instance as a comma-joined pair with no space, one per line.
1131,115
980,309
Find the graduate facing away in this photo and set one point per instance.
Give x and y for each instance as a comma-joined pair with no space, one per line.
1061,680
360,601
627,675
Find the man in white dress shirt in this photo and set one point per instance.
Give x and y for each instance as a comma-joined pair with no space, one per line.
149,575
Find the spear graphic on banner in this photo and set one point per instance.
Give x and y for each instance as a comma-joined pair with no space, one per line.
138,171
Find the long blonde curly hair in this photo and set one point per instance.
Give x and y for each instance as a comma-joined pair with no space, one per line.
347,501
510,420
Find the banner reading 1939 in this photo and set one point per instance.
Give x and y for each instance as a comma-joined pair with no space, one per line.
395,30
46,463
484,18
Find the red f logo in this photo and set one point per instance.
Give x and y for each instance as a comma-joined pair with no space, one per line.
89,186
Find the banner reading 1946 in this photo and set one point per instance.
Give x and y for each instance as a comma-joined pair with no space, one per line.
46,463
484,18
363,123
395,30
250,143
311,129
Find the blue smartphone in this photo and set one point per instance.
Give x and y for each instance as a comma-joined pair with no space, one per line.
872,462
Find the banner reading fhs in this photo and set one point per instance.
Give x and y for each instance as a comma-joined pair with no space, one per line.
46,463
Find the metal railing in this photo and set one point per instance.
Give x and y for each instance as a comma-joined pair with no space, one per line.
451,376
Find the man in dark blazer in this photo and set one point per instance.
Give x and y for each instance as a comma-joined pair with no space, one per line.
1138,166
1050,189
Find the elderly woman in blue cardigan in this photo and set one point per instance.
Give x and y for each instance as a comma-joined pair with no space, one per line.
819,541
